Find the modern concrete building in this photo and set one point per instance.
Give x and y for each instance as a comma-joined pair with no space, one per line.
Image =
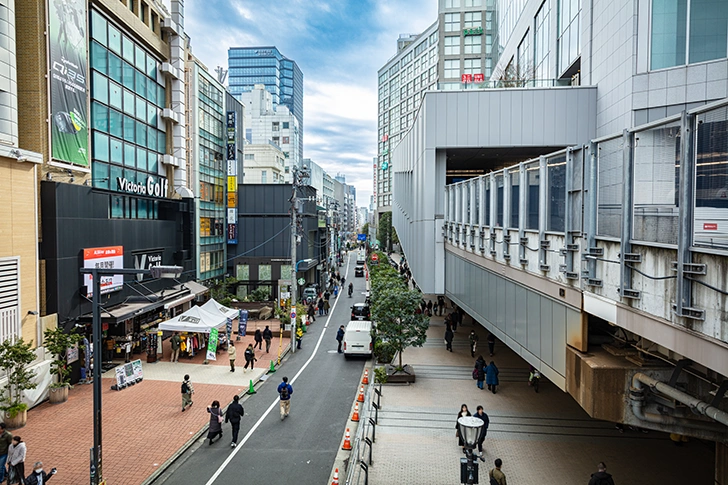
281,76
263,164
267,123
584,225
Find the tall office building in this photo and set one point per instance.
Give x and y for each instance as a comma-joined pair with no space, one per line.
282,77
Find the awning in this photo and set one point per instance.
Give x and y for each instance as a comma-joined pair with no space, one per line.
307,264
217,309
179,301
193,286
196,320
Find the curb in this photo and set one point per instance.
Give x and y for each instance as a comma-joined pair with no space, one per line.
244,396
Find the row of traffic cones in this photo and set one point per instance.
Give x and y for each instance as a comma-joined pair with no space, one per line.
355,418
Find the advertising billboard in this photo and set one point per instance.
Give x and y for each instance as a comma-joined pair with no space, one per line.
109,257
68,43
232,172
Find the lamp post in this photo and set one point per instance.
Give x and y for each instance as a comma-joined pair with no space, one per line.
469,429
172,272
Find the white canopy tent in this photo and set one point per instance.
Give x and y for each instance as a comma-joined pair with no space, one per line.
196,320
217,309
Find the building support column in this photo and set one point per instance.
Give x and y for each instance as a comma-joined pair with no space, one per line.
522,213
543,204
626,258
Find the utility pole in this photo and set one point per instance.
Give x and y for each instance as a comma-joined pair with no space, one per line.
296,181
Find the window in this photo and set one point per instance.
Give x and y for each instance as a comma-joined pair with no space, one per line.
286,125
277,140
473,44
499,200
488,67
242,272
452,3
452,69
473,19
531,192
471,66
514,176
541,43
525,68
286,140
276,126
489,20
473,3
568,30
452,45
556,170
264,176
452,22
488,43
286,154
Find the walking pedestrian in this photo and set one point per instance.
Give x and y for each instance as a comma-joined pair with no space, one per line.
496,475
336,291
491,343
601,477
39,477
448,338
311,313
299,336
480,371
473,338
216,418
429,308
480,414
6,439
327,307
258,337
440,304
343,281
16,461
340,337
267,336
231,356
327,295
234,412
175,342
491,376
321,307
187,391
454,321
463,412
249,358
285,391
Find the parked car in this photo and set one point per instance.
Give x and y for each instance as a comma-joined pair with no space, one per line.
360,311
309,294
359,271
358,339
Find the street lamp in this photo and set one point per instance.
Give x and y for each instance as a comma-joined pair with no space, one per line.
168,272
469,429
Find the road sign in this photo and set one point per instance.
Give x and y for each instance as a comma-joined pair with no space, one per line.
375,257
301,281
293,314
361,237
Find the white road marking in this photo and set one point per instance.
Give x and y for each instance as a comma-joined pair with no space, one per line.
273,404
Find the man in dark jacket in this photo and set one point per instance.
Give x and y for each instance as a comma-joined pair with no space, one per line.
284,391
480,414
267,336
234,412
39,477
340,337
448,338
601,477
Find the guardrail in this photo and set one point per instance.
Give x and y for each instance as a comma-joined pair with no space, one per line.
360,459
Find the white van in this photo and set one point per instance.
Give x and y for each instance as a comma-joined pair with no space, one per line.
358,338
361,257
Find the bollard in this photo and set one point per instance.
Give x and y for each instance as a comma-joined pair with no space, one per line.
272,367
251,390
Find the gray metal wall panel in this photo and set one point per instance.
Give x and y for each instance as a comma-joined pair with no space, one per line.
558,350
533,335
462,113
472,128
510,311
549,129
526,115
546,331
521,314
500,315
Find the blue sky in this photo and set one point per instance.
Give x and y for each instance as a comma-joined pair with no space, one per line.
338,44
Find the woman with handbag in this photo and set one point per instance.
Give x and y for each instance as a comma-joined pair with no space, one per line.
16,461
463,412
216,419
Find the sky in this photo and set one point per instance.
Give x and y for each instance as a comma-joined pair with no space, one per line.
338,44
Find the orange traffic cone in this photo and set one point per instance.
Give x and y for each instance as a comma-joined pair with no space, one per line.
355,416
336,477
360,397
347,441
366,377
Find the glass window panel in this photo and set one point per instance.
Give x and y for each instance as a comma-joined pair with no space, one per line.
100,175
161,141
128,75
515,194
141,159
116,126
151,114
711,180
101,147
160,96
114,39
98,27
152,162
99,59
141,134
499,201
151,68
609,193
152,138
129,128
129,103
141,109
127,49
151,93
140,58
129,155
100,87
100,117
708,30
115,67
117,201
140,84
557,194
115,95
142,212
117,154
669,26
532,178
486,205
130,202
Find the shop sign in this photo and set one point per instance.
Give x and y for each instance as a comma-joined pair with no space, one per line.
479,78
104,258
473,31
147,259
232,177
466,78
72,354
155,188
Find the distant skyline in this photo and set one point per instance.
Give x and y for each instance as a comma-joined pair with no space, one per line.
338,44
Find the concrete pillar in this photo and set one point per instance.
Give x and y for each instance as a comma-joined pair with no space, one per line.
721,464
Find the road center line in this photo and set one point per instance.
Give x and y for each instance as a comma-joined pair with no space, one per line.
230,457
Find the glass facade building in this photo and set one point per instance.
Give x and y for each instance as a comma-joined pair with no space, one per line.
282,77
126,99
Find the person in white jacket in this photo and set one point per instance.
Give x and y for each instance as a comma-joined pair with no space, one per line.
16,461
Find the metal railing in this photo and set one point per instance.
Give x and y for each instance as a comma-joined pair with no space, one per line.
357,466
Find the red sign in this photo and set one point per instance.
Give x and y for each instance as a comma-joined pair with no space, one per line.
466,78
385,137
375,257
710,226
478,78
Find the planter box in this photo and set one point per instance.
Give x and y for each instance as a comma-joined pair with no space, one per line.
58,395
404,376
18,421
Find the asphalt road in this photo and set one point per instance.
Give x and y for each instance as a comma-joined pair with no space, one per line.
301,449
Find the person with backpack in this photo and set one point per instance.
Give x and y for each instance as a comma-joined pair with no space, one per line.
234,412
479,371
601,477
267,336
187,391
284,391
340,337
249,358
497,477
216,419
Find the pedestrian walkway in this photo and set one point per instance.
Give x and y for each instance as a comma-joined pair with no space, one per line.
543,438
143,425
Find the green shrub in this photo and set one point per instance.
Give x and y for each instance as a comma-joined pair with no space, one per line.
380,375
